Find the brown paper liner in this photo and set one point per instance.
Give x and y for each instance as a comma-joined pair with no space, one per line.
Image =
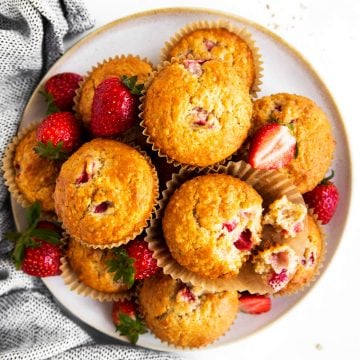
150,142
8,168
88,74
290,290
71,280
242,33
270,185
146,222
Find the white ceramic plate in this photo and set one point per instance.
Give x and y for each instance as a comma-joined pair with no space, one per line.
285,70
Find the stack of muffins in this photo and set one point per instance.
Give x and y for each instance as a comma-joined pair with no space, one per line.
221,227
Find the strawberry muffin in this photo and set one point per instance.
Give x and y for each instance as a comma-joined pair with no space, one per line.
185,316
311,129
276,264
211,224
91,268
105,193
286,217
216,43
118,66
196,112
310,262
34,176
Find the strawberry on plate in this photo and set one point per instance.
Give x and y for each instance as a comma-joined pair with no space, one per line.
254,304
272,147
115,106
58,135
133,261
323,199
59,91
126,321
37,251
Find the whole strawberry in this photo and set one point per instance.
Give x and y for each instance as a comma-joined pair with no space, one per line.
134,261
37,251
272,147
59,91
323,199
126,320
58,135
114,107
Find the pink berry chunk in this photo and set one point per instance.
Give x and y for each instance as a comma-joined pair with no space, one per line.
243,243
209,44
187,294
277,281
102,207
194,66
229,226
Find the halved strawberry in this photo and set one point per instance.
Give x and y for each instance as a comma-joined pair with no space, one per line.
254,304
126,321
272,147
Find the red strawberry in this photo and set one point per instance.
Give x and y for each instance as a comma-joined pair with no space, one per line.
58,135
254,304
272,147
126,320
37,250
114,107
59,91
323,199
132,262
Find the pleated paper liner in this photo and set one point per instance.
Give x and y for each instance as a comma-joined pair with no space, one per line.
295,286
242,33
271,185
128,238
149,140
10,171
171,345
82,108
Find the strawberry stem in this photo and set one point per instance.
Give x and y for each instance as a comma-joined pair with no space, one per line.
326,179
130,83
123,266
130,327
52,108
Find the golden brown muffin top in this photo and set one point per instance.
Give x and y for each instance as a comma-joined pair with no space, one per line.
35,175
105,193
311,261
91,268
211,223
221,44
126,65
197,113
312,130
185,316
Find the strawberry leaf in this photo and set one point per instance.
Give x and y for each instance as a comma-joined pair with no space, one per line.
123,267
33,214
52,108
18,253
47,235
130,83
328,178
130,327
51,151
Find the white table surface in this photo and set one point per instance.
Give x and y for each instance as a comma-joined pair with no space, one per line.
325,325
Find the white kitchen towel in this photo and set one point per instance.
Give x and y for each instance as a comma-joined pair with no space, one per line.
32,326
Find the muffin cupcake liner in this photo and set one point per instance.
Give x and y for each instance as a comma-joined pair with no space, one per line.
270,185
146,223
293,290
71,280
8,168
145,133
88,74
242,33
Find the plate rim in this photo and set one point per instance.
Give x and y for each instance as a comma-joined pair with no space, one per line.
294,52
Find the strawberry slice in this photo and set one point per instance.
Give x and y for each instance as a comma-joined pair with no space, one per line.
254,304
272,147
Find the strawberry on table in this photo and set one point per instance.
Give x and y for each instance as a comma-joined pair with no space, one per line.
115,106
132,262
254,303
59,91
323,199
58,135
126,320
37,251
272,147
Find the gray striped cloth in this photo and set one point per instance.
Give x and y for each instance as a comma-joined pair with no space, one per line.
32,326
